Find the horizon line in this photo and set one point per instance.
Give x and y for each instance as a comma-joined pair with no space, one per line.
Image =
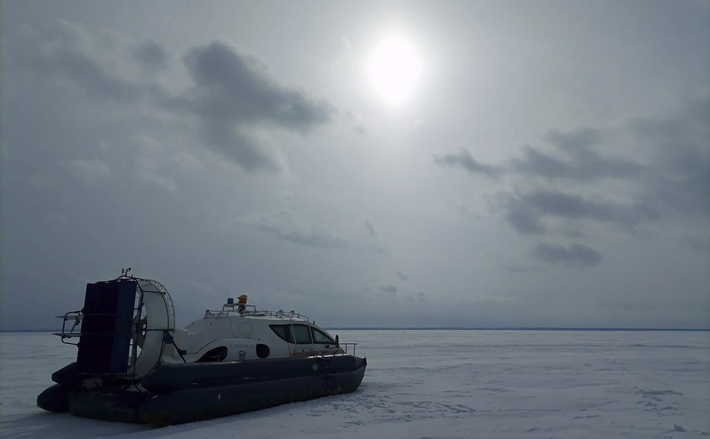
508,328
448,328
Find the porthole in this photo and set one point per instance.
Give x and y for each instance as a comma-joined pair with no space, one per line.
262,351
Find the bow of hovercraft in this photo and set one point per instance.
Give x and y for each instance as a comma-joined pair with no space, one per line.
134,366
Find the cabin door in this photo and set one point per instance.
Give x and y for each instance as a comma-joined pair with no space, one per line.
311,341
303,341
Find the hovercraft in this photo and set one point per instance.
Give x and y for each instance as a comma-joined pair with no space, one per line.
133,365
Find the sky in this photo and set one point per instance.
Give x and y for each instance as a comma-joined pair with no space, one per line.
369,164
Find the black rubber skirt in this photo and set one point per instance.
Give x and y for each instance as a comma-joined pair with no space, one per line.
179,393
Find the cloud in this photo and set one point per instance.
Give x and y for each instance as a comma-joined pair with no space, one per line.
681,158
463,159
538,163
233,93
576,207
401,276
388,289
237,86
670,182
573,159
284,225
570,183
232,96
526,212
580,139
581,162
70,54
417,297
673,182
371,229
524,218
585,165
575,254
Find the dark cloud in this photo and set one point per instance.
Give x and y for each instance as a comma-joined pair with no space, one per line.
232,96
241,146
236,85
582,162
283,225
526,212
525,218
234,93
583,166
673,183
463,159
538,163
371,229
401,276
575,254
574,159
388,289
576,207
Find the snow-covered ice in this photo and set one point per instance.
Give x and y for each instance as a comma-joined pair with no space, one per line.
435,384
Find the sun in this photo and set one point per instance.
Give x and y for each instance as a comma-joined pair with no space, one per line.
394,69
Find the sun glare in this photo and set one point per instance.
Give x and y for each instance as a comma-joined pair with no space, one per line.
394,69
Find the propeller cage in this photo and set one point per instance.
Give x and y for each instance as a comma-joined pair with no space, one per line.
123,327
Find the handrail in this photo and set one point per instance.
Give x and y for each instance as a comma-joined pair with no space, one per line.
77,316
291,315
346,344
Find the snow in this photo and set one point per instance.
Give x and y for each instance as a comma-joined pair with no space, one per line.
435,384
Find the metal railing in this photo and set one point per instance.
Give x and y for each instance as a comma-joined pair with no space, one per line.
225,312
349,344
76,317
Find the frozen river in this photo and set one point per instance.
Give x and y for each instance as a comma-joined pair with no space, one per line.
435,384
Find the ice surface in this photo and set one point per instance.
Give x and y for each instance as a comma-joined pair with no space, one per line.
435,384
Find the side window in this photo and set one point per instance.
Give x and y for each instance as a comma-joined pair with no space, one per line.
302,334
283,331
321,337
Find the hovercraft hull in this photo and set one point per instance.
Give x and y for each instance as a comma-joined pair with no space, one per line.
180,393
